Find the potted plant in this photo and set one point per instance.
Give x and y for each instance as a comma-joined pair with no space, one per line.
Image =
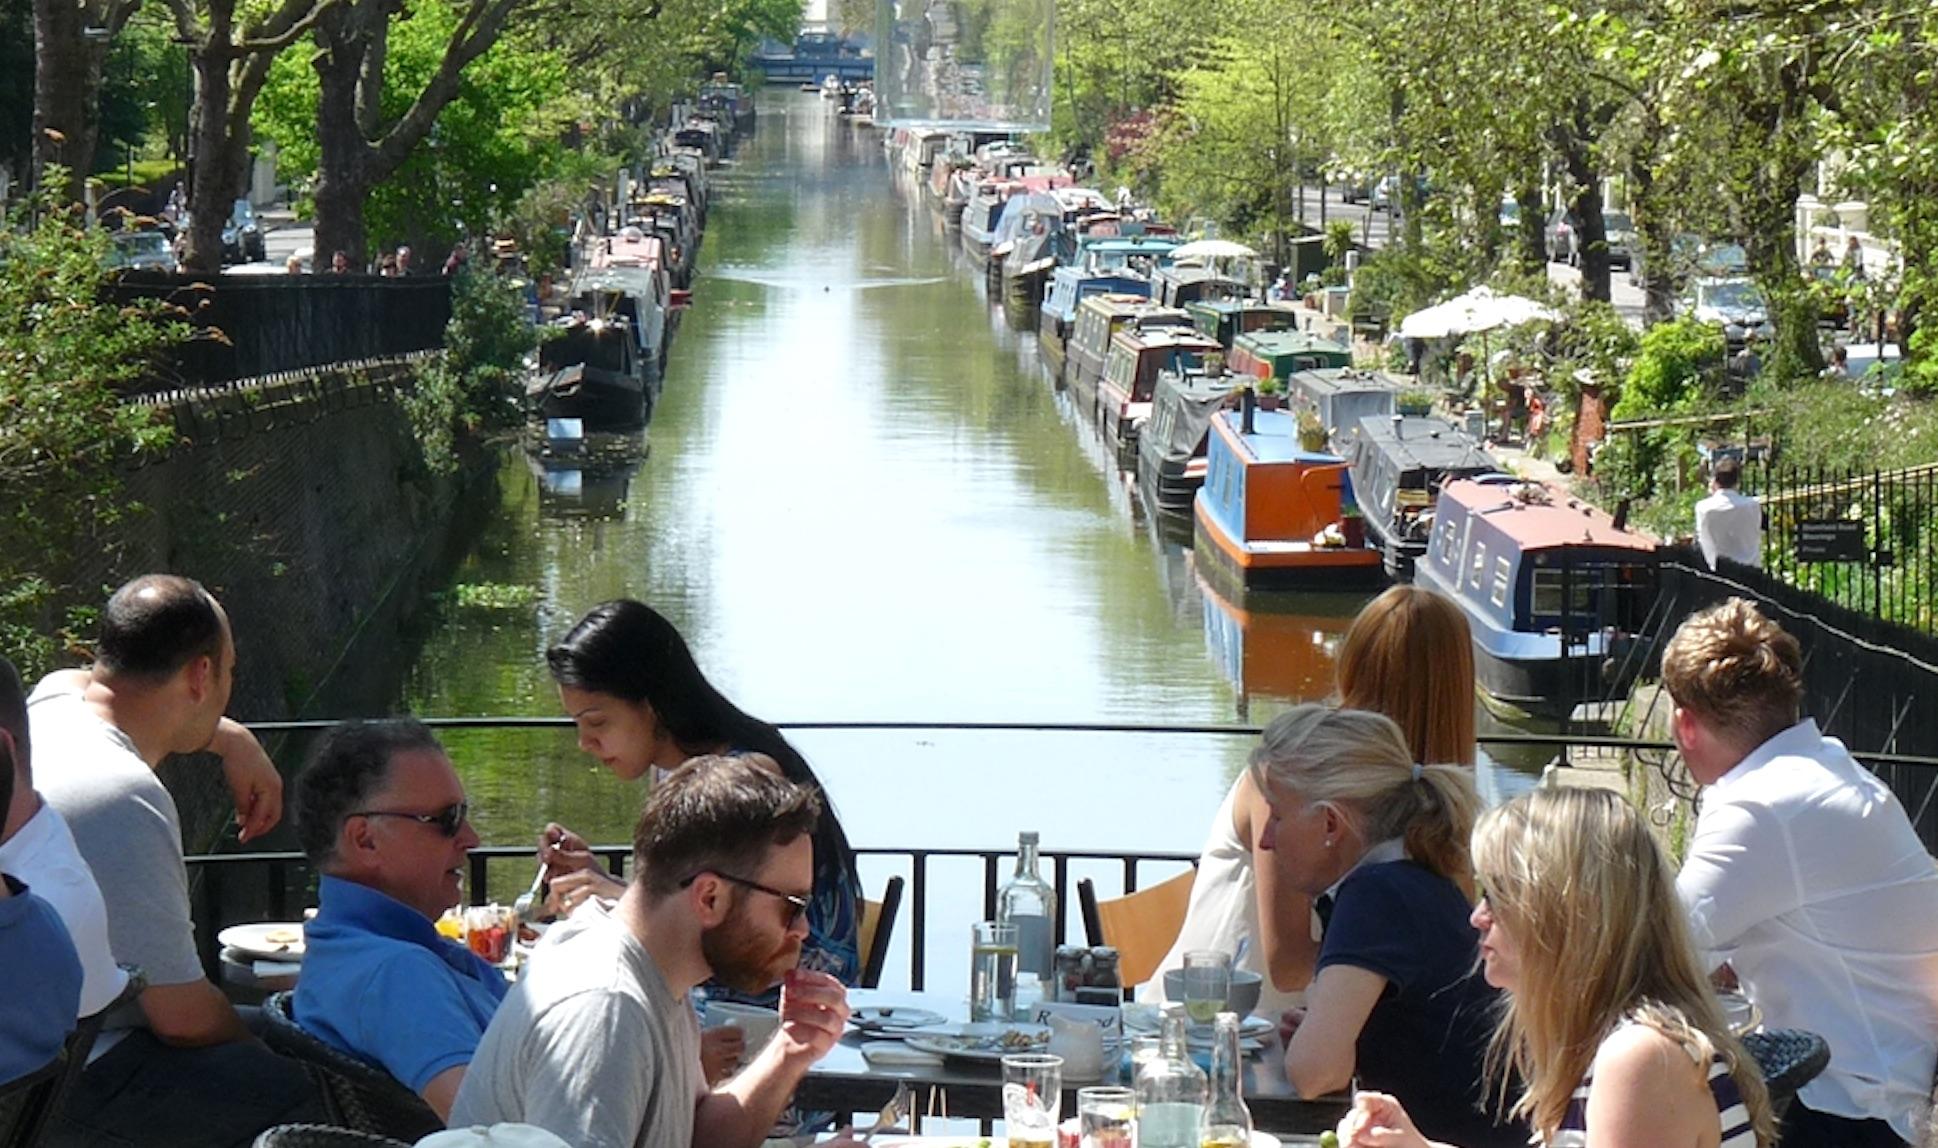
1312,432
1352,524
1414,402
1270,392
1214,363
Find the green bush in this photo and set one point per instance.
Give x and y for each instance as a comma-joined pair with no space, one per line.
473,388
1675,366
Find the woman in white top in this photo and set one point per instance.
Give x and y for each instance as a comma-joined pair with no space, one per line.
1611,1026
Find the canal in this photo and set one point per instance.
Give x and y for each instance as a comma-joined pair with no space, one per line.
864,499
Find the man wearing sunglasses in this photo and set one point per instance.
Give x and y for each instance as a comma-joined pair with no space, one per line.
597,1043
382,814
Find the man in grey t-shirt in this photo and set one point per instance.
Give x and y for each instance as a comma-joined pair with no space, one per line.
597,1043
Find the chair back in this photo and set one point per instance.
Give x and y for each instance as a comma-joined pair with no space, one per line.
361,1096
322,1136
27,1104
1789,1058
877,927
1141,926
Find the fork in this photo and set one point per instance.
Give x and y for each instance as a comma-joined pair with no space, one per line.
522,907
892,1113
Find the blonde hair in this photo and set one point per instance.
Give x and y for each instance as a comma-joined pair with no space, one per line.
1409,655
1737,670
1585,891
1358,762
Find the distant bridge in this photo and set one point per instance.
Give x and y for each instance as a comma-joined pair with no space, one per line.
814,57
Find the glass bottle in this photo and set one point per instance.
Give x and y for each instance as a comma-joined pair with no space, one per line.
1028,902
1227,1122
1171,1091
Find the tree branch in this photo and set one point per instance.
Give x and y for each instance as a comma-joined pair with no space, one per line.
476,33
268,39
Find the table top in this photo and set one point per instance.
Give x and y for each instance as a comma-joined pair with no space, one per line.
844,1077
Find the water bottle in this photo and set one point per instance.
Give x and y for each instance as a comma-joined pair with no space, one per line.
1028,902
1171,1091
1227,1122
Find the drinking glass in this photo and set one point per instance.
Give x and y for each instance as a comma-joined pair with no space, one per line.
1032,1099
1207,982
992,971
1107,1117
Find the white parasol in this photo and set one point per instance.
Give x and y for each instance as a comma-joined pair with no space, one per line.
1212,249
1479,310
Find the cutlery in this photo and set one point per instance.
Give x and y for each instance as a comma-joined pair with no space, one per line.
522,907
892,1113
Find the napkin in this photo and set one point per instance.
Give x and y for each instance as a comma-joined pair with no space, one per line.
895,1053
266,970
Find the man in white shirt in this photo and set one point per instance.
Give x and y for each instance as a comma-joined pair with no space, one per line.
1806,877
1729,523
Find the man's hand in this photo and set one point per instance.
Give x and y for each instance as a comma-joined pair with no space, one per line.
814,1012
720,1051
252,779
570,891
563,851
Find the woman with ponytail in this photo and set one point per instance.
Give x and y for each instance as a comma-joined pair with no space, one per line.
1379,843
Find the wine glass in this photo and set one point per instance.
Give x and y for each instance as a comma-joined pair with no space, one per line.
1207,982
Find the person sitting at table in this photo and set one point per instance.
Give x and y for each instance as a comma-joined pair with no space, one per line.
1233,897
596,1042
1380,845
1807,878
1611,1024
642,706
35,953
382,816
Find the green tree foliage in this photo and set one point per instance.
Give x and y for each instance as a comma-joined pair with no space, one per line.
66,358
473,388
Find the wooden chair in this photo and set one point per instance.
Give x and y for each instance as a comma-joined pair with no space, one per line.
28,1104
1141,926
361,1096
877,926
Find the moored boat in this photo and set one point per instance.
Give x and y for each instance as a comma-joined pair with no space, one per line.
1137,354
1398,466
1226,319
1280,354
1104,266
1272,515
1171,447
1341,396
1555,592
1099,318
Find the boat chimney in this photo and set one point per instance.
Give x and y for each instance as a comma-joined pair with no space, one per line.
1399,425
1247,404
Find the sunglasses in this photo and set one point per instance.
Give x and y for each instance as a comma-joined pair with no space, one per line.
797,905
446,820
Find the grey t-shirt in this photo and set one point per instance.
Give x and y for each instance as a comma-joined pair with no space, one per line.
128,831
590,1045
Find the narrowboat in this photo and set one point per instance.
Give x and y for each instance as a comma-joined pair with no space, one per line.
923,147
1034,238
1171,447
980,217
1099,318
1555,591
1280,354
1110,266
1398,465
1341,396
1226,319
1137,354
1274,516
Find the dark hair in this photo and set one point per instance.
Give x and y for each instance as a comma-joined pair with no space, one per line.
721,814
628,650
1727,472
349,763
156,624
13,719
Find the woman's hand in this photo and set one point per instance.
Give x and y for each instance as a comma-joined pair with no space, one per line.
720,1051
563,851
1289,1022
1376,1120
573,889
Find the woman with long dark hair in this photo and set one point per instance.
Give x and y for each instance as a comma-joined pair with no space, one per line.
642,706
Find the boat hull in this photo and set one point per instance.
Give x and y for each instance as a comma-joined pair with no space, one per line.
1282,565
603,400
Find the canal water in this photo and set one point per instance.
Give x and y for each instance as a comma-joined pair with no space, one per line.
864,499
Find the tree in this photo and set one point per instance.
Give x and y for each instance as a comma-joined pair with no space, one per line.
70,44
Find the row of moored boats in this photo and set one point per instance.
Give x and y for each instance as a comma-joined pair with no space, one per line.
1251,431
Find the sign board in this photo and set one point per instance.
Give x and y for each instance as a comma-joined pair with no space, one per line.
1831,540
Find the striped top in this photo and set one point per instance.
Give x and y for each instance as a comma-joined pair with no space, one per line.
1730,1111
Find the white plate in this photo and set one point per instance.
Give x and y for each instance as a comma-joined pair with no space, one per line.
981,1043
269,940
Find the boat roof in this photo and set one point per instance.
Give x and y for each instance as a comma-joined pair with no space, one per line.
1424,442
1543,516
1225,306
1340,380
1271,344
1274,437
1145,338
1116,302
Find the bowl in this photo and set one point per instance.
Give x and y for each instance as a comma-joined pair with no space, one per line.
1246,987
756,1022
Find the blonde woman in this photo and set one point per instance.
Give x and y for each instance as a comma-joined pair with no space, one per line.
1610,1024
1379,845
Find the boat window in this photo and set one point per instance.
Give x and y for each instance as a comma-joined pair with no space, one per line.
1449,532
1547,594
1499,596
1479,566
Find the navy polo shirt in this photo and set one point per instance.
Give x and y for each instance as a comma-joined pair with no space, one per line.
43,975
380,984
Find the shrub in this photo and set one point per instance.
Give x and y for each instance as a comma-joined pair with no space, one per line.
1675,365
473,387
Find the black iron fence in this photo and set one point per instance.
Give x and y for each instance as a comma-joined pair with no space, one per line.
249,326
1866,541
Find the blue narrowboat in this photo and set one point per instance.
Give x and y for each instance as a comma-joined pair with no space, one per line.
1113,266
1554,590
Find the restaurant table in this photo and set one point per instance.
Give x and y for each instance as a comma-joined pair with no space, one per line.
844,1081
1285,1139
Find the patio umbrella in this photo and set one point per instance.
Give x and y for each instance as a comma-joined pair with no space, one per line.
1213,249
1477,311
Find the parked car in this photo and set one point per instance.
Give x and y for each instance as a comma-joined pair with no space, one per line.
1735,305
1354,186
1690,256
140,251
1386,193
242,235
1564,238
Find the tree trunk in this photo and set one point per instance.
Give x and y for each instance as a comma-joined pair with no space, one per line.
1591,235
342,153
1653,237
67,93
211,191
1768,206
1531,245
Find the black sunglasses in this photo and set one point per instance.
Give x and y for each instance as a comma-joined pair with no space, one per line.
797,904
446,820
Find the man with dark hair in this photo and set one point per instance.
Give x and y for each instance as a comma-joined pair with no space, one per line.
37,847
597,1043
1729,523
382,814
181,1067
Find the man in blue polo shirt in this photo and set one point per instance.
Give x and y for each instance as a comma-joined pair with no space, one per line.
382,814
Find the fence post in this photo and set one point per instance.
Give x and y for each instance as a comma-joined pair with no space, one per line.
1877,543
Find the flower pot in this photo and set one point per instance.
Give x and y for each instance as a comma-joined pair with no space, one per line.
1353,527
1313,443
1268,402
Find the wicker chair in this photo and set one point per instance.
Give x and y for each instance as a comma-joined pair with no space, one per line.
361,1097
1789,1059
28,1104
322,1136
